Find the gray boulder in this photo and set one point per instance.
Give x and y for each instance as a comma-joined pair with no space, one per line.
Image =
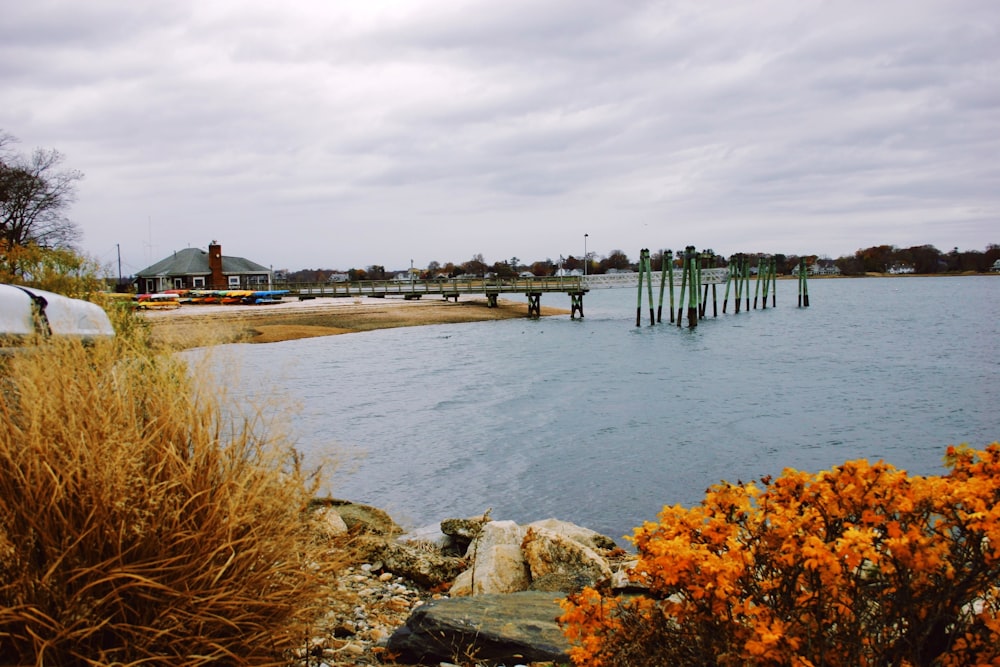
360,519
422,564
507,629
559,562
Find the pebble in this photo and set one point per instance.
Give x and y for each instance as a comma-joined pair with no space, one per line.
368,607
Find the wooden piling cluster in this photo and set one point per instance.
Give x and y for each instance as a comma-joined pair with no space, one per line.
741,268
803,285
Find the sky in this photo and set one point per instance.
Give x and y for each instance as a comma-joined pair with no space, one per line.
341,134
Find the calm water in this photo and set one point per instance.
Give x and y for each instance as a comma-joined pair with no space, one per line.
602,423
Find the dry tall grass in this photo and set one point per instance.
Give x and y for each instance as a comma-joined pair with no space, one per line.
137,526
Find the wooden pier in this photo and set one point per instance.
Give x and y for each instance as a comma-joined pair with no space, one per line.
452,288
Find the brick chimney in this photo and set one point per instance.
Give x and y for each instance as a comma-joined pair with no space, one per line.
216,280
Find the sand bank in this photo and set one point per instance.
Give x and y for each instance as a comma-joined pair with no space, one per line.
194,325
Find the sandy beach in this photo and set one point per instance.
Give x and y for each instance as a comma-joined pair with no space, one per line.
195,325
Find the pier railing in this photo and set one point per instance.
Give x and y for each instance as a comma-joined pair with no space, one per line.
448,288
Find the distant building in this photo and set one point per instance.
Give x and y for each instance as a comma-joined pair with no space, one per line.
194,268
996,266
827,268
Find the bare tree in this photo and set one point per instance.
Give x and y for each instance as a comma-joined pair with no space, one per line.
34,195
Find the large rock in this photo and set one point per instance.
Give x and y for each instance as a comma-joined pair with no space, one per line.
417,562
496,564
505,629
585,536
559,563
360,519
328,523
461,532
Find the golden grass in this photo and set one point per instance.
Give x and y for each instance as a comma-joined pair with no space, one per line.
138,524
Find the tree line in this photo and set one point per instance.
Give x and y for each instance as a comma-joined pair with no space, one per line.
922,259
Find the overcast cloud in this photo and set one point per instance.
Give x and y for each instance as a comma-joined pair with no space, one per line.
335,134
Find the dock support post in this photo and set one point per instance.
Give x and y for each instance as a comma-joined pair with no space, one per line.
666,259
765,266
693,291
746,281
670,277
534,304
774,283
738,292
644,270
756,288
729,281
649,287
707,261
803,284
684,282
576,301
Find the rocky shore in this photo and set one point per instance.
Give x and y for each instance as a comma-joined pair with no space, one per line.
471,591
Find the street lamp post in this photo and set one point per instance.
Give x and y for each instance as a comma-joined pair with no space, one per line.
585,262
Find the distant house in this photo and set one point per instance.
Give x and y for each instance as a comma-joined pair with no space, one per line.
996,266
827,268
194,268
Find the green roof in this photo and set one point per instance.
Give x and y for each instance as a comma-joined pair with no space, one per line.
194,262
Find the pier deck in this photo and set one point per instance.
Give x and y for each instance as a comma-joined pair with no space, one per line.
491,288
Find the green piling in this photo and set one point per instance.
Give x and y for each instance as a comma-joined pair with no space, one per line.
756,288
738,292
664,259
803,285
729,279
765,266
684,280
670,277
746,281
693,291
649,286
774,283
643,255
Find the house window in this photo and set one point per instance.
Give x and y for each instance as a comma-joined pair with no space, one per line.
234,281
178,283
198,281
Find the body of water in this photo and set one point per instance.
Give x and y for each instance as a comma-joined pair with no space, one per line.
602,423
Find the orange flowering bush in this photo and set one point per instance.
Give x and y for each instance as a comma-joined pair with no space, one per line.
858,565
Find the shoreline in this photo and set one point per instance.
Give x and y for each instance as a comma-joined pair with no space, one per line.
198,325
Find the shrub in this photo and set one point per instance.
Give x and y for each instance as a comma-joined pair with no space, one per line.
858,565
138,524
